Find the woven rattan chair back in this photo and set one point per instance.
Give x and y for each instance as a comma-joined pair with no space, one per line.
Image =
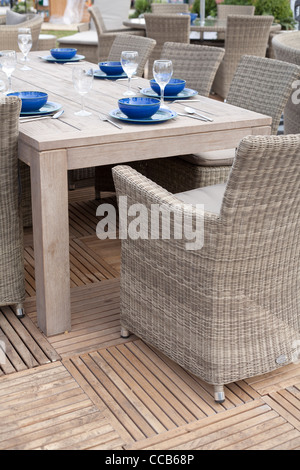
245,35
263,85
12,283
223,11
163,28
287,48
194,63
126,42
98,20
169,8
9,33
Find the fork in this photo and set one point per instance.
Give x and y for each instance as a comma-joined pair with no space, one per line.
111,122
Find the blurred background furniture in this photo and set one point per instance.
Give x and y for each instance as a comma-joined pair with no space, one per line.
297,12
287,48
9,32
260,84
244,35
166,28
229,310
95,39
12,277
169,8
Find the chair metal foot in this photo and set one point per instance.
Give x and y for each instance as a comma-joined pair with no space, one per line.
124,332
219,393
20,312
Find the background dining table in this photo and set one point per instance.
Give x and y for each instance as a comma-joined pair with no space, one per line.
53,146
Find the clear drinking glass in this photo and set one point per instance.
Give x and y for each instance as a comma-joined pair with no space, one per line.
82,80
129,62
25,44
162,73
3,83
8,61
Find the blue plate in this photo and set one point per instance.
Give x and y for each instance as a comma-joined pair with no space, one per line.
76,58
49,108
185,93
100,74
162,115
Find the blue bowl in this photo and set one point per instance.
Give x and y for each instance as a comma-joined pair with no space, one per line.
111,68
31,100
63,53
192,15
175,86
139,107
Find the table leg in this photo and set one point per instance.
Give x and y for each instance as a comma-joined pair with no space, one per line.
49,188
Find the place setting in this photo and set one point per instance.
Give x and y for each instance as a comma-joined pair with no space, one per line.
35,106
63,55
145,109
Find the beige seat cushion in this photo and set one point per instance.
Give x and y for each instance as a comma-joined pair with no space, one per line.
214,158
210,196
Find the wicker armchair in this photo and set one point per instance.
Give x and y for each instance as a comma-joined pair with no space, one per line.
223,11
169,8
260,84
287,48
231,309
194,63
9,33
163,28
107,37
244,35
12,278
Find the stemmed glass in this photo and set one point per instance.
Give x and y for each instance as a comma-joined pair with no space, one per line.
8,61
3,83
129,62
82,80
162,73
25,44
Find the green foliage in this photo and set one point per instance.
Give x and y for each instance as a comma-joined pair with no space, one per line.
141,6
280,9
210,7
21,7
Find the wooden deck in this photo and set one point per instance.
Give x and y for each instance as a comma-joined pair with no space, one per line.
90,389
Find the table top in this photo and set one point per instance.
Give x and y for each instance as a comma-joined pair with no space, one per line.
209,25
72,132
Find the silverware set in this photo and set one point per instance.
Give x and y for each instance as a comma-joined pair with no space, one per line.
38,117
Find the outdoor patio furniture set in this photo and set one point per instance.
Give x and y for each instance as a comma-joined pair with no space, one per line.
229,309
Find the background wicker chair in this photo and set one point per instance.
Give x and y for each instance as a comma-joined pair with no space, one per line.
107,37
260,84
169,8
287,48
223,11
244,35
194,63
12,278
9,33
231,309
166,28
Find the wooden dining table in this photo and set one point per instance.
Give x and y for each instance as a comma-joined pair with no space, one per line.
51,147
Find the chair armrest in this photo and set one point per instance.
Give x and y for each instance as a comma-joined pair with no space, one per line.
83,27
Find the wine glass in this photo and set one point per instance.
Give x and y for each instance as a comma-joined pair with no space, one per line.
129,62
25,44
162,73
8,61
82,80
3,83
